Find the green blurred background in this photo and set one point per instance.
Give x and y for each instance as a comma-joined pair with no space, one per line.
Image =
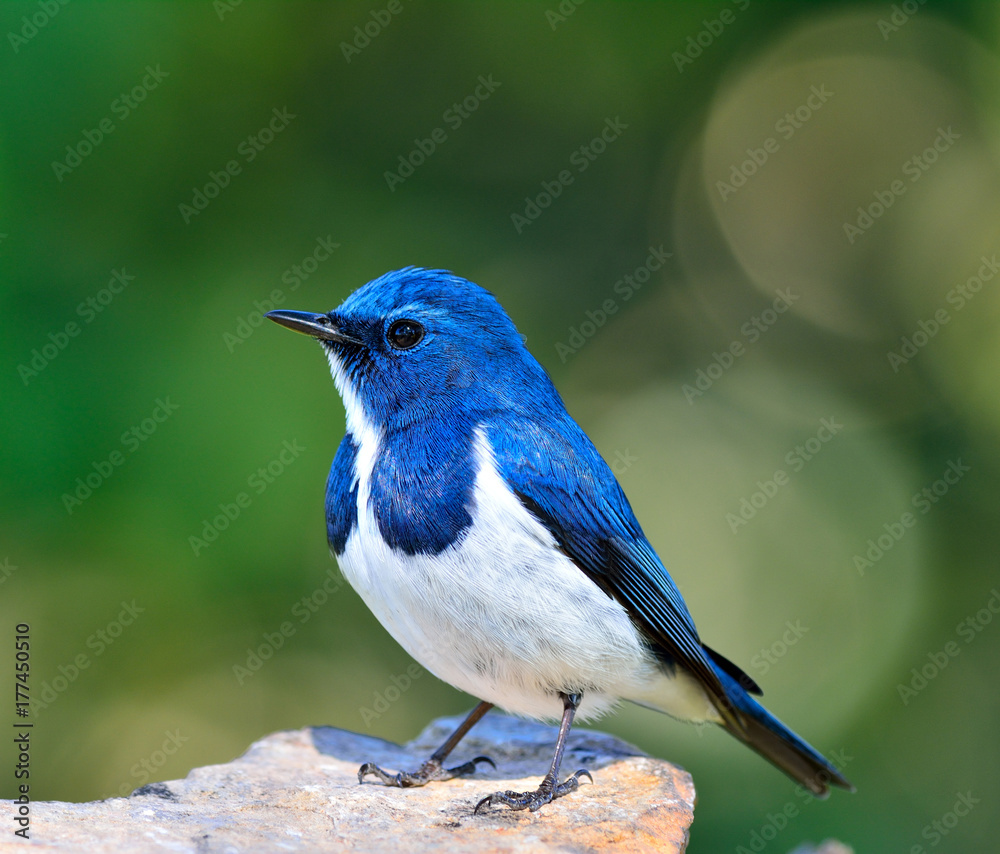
151,98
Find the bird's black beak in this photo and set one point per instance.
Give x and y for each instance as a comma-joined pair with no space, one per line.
319,326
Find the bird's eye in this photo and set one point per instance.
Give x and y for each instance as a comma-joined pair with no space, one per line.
404,334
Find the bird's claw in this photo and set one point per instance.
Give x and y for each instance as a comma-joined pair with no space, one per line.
545,793
431,770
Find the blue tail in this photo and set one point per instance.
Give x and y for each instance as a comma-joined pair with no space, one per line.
756,727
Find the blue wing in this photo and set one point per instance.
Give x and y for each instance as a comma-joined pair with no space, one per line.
558,475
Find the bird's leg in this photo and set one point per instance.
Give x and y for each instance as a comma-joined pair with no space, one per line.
433,769
551,788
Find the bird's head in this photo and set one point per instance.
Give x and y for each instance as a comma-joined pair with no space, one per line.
418,343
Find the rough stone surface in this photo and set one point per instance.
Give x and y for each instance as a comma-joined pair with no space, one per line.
298,791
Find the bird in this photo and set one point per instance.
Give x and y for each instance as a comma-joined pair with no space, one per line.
481,526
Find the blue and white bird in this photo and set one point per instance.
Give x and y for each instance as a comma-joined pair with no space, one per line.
481,526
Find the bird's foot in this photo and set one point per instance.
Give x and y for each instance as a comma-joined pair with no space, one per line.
535,800
432,769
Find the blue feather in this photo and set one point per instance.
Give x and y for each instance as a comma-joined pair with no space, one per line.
342,496
421,486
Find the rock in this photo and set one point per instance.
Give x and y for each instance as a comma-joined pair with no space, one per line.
298,791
